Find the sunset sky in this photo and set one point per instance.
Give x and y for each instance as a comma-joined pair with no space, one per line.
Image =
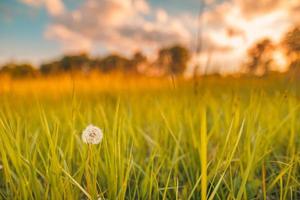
39,30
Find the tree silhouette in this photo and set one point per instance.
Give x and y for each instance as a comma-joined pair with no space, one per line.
74,62
260,57
50,68
136,61
19,70
291,42
114,62
174,58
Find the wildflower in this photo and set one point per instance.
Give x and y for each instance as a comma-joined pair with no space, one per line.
92,135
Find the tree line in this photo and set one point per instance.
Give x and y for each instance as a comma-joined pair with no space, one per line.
170,60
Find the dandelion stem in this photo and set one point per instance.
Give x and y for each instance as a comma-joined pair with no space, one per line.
88,169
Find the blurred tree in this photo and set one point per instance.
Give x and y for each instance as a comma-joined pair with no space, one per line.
74,62
174,58
80,62
137,60
95,63
114,62
260,57
291,42
50,68
19,70
6,69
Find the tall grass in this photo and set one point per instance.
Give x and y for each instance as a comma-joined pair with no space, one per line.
229,139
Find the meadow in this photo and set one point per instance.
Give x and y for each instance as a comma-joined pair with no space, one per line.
216,138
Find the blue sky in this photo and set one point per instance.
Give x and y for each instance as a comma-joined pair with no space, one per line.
41,30
21,33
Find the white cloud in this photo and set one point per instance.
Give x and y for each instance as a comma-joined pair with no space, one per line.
161,15
231,27
54,7
71,41
122,26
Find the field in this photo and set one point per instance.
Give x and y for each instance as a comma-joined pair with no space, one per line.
217,138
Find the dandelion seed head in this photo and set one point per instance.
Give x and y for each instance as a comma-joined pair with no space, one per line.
92,135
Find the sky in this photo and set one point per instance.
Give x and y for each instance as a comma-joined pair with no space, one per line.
40,30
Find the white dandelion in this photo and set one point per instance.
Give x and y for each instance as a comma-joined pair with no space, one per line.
1,167
92,135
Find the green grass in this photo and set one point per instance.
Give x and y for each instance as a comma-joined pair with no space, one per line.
221,140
